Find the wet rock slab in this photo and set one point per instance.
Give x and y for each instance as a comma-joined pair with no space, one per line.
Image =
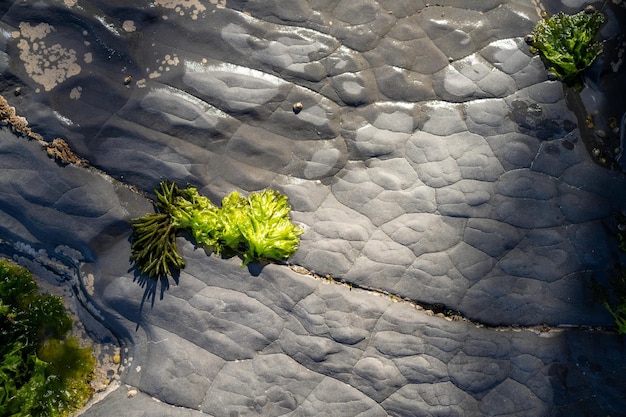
432,159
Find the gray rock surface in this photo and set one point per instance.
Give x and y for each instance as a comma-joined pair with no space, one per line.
433,161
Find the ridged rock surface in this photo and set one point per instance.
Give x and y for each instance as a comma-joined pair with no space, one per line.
433,161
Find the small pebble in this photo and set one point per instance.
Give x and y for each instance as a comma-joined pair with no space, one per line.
297,107
128,79
18,91
595,152
131,393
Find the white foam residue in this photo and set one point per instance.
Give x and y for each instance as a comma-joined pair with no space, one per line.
299,181
395,104
109,26
63,119
441,22
439,105
6,34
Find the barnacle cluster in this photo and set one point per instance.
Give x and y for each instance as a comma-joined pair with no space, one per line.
17,123
58,149
258,228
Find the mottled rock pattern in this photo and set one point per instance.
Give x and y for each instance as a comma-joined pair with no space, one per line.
432,160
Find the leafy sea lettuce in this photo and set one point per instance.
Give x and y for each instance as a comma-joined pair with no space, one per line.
258,228
196,213
566,43
233,214
267,229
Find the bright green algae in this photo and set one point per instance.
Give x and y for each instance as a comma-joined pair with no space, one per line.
567,43
42,371
258,228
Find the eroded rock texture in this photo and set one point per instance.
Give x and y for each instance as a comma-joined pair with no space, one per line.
432,159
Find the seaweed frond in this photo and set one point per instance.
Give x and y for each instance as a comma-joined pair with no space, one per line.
153,244
567,43
258,228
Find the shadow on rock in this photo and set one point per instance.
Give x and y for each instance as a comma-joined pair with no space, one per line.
255,268
151,285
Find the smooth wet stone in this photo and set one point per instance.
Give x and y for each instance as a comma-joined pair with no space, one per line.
432,160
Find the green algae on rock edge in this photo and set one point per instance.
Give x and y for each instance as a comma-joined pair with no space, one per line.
567,43
258,228
43,372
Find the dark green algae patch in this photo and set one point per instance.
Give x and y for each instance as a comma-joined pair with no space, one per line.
43,371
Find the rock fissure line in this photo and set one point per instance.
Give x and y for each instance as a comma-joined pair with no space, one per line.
61,152
442,311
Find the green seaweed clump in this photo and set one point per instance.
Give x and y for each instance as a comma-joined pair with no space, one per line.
258,228
42,371
566,43
153,244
